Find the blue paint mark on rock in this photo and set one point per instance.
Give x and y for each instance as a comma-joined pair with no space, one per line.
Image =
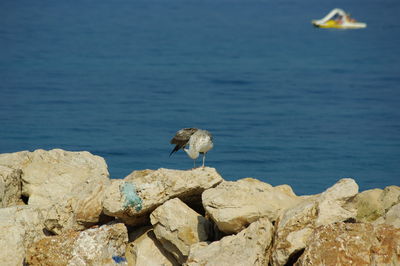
118,259
131,197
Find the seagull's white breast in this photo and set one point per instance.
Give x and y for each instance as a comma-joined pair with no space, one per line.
201,141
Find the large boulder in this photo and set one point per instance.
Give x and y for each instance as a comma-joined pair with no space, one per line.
50,176
374,203
177,227
352,244
96,246
133,198
245,248
332,202
20,226
295,225
392,217
235,205
146,250
10,187
68,184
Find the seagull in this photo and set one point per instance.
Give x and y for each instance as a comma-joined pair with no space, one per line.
199,140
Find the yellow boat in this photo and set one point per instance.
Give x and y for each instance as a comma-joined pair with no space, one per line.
338,19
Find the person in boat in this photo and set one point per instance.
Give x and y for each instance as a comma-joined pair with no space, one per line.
349,18
337,19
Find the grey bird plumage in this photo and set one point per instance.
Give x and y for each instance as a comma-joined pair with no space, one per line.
199,141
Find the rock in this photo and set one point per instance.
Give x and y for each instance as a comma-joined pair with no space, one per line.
20,226
246,248
332,202
95,246
133,198
79,212
50,176
147,250
87,202
392,217
235,205
352,244
368,204
70,185
177,227
390,197
296,224
374,203
292,231
10,187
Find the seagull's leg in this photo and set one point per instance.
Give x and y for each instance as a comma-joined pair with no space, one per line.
204,158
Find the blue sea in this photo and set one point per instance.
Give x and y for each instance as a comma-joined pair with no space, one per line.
287,103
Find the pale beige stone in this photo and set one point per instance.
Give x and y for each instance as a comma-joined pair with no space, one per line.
50,176
368,204
234,205
20,226
390,196
177,227
245,248
95,246
392,217
332,202
10,187
294,227
374,203
68,186
147,250
293,230
133,198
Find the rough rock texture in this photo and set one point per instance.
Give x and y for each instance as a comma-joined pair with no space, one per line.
392,217
70,185
177,227
372,204
352,244
147,250
20,226
292,231
48,175
234,205
246,248
10,186
133,198
296,224
96,246
332,202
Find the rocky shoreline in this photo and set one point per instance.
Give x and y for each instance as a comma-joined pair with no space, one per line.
61,208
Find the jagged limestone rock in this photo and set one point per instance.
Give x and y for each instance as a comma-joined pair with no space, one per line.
95,246
177,227
10,187
69,184
147,250
20,226
133,198
234,205
245,248
352,244
295,225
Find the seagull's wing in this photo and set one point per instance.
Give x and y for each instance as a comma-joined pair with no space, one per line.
181,138
209,134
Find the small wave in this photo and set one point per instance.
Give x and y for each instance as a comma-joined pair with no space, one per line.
237,82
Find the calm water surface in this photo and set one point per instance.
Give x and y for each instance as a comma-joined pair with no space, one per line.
286,102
